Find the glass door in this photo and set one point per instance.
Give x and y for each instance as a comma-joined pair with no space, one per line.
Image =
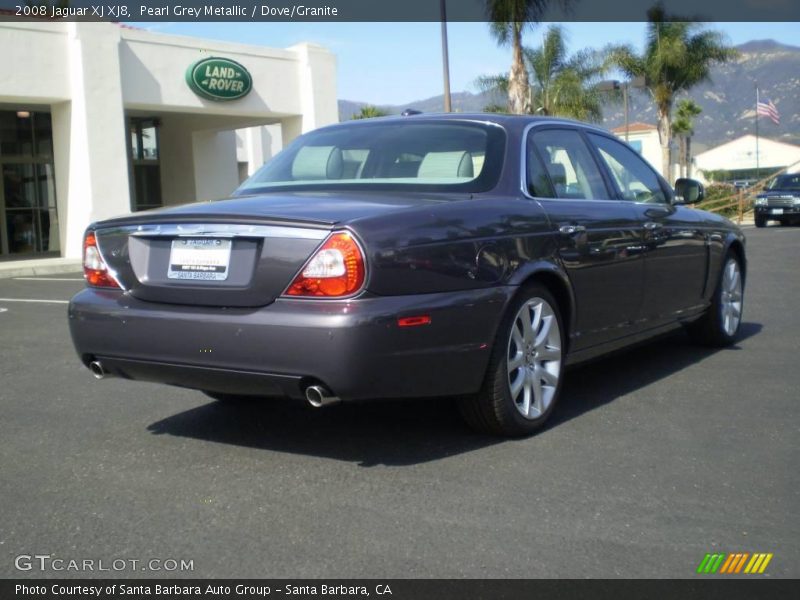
28,218
145,164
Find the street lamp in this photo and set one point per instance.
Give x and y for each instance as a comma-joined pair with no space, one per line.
613,85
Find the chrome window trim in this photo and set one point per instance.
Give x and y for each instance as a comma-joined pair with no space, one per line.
524,166
523,174
218,230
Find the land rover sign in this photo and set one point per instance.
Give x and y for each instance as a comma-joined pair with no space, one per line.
219,79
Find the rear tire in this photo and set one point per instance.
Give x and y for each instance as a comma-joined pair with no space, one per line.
760,221
524,377
719,326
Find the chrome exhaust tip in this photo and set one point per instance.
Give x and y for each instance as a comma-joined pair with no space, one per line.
96,367
319,396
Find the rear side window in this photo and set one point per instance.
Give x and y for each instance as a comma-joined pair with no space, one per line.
635,179
569,165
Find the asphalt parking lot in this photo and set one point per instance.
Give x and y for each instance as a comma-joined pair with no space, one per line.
655,457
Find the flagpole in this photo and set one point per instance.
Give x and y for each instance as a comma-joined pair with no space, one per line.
758,165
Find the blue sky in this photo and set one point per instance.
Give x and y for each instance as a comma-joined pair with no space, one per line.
396,63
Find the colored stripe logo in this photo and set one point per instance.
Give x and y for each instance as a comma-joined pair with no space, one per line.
734,563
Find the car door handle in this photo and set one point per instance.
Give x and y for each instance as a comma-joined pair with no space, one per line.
571,229
651,225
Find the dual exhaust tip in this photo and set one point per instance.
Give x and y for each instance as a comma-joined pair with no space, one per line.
317,395
97,369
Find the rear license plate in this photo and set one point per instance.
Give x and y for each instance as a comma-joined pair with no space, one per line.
776,211
203,258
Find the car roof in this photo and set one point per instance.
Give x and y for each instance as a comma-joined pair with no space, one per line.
508,121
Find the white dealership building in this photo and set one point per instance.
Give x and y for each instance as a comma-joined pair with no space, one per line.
99,119
746,157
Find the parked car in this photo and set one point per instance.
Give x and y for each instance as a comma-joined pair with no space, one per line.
473,256
780,201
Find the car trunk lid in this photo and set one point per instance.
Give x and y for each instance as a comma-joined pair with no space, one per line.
242,252
207,264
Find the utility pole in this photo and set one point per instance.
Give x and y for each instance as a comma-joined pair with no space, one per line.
448,105
625,103
614,85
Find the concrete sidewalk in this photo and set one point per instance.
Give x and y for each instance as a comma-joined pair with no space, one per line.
39,266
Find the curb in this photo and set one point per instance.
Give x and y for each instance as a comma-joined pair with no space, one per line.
21,270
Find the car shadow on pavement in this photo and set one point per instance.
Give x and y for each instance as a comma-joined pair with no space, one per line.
597,383
409,432
391,432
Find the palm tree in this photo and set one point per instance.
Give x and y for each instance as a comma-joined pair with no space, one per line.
368,112
683,127
508,19
497,87
560,85
678,55
564,85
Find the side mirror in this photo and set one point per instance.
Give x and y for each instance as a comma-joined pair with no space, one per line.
688,191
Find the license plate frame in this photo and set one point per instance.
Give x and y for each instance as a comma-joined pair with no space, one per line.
199,259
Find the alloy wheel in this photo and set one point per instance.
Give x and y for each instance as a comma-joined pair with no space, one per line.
534,358
731,297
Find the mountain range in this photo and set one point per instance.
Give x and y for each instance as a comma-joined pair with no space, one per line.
728,99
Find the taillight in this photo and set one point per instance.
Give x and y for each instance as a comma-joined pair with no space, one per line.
95,269
336,269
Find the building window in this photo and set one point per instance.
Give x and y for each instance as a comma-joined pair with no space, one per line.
145,164
28,216
243,168
636,145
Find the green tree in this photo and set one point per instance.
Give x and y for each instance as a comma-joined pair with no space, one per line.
368,112
683,127
559,84
508,19
563,85
497,87
678,55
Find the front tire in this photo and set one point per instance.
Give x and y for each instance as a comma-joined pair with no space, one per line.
523,380
760,221
720,325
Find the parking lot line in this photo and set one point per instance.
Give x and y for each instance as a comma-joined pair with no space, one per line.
34,301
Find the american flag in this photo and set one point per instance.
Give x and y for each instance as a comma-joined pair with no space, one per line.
767,108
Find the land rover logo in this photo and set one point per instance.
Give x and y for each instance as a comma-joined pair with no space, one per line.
219,79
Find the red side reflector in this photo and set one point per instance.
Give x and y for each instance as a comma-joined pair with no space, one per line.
413,321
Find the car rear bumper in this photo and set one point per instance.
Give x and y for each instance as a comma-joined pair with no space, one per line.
355,348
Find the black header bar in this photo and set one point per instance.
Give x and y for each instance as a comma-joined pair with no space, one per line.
382,10
398,589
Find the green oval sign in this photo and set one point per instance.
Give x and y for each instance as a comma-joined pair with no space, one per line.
219,79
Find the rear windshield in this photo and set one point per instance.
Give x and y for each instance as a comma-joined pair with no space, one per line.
785,182
423,156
